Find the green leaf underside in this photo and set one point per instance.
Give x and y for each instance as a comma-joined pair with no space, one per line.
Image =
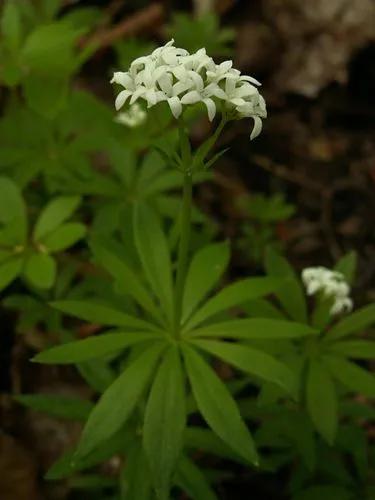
251,361
234,295
165,420
218,407
321,399
100,314
57,406
118,401
360,349
123,274
358,320
255,328
93,347
291,295
153,252
206,268
192,480
352,376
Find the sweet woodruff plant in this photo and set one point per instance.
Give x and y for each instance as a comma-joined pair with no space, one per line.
179,320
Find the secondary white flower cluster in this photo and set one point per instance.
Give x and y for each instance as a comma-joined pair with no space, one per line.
332,284
173,75
132,118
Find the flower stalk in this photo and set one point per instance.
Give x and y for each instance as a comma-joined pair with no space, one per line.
183,248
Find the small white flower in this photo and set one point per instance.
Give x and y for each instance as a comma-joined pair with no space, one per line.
173,75
223,71
132,118
330,283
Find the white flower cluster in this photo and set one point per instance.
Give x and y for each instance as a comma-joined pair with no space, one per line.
132,118
173,75
332,284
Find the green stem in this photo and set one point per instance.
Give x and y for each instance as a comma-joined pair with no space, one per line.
183,249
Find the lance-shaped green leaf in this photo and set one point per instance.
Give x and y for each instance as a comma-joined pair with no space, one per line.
100,314
55,213
255,328
214,159
136,478
321,400
262,308
218,406
9,270
93,347
152,247
291,294
119,400
353,377
164,423
11,26
347,265
40,270
57,406
198,438
206,268
12,214
65,467
353,323
168,180
64,236
252,361
192,480
360,349
123,274
234,295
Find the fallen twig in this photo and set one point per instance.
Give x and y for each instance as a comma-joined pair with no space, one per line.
149,17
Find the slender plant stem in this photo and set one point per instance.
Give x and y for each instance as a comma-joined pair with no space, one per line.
183,249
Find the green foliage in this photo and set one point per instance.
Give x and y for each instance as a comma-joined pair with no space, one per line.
263,216
326,372
29,255
67,166
204,31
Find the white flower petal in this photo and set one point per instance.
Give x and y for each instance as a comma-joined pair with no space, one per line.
225,66
250,79
122,79
165,82
137,94
151,98
121,99
175,105
219,93
211,108
257,129
180,73
237,102
180,87
140,61
197,79
246,90
191,97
